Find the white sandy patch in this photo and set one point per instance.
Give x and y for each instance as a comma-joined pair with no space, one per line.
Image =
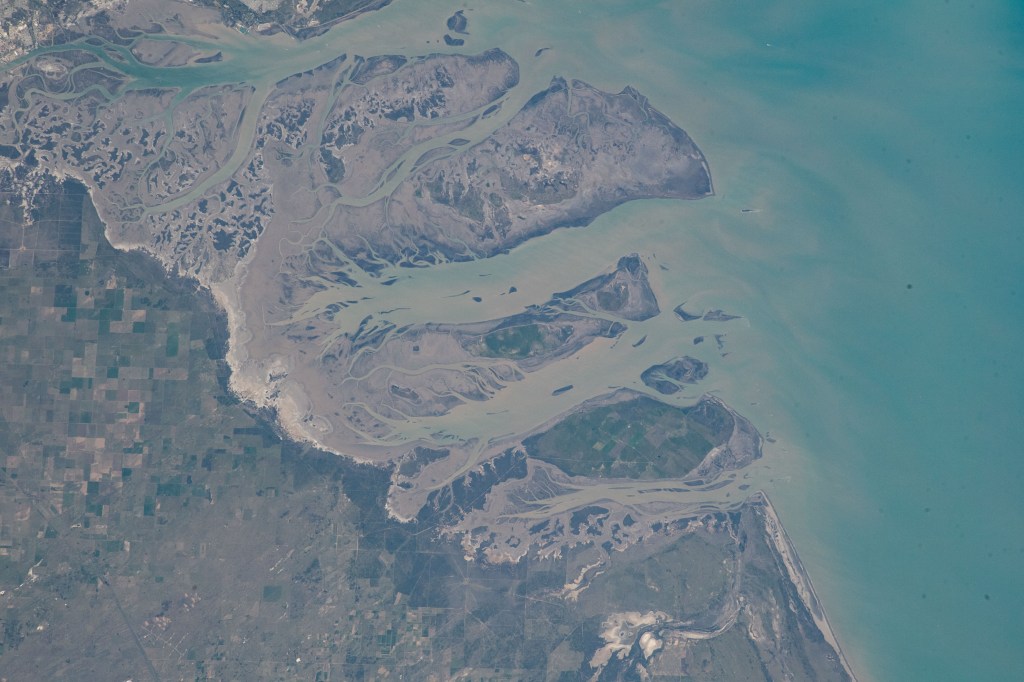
620,633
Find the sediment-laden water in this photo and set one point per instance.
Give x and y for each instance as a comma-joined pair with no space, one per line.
865,226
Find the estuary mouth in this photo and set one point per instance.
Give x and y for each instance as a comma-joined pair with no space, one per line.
356,339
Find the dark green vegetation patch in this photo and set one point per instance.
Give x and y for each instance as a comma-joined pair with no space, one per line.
522,341
636,438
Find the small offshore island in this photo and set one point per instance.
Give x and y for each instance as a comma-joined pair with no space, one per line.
320,404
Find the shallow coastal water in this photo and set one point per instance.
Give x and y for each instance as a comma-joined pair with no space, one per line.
877,270
881,149
877,148
866,167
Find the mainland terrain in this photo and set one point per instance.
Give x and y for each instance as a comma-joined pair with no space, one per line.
233,451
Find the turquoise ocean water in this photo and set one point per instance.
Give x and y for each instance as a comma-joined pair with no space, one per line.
878,147
883,275
883,144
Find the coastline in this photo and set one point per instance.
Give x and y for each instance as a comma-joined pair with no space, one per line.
783,546
288,414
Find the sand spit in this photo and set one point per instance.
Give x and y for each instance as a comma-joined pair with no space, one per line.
786,552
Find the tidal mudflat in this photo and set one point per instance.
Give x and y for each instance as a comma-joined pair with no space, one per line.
455,248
